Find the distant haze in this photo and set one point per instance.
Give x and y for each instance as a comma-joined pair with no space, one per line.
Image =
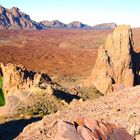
87,11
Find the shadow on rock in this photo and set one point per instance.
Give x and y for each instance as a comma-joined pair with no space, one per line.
65,96
136,67
10,130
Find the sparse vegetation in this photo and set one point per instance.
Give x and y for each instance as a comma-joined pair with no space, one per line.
89,93
40,105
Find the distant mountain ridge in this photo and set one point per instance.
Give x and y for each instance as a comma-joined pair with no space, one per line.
78,25
105,26
53,24
15,19
59,24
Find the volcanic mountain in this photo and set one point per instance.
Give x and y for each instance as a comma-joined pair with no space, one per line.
54,24
77,24
105,26
15,19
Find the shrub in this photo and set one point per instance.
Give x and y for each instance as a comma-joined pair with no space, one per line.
40,104
89,93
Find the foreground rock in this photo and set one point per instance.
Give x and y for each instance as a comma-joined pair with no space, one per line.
115,66
81,129
89,129
120,108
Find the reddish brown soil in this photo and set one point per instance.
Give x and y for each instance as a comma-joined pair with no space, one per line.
55,51
61,52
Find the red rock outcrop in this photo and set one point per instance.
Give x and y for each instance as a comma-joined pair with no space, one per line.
89,129
81,129
114,66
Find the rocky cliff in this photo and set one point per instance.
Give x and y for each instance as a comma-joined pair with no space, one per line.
116,65
15,19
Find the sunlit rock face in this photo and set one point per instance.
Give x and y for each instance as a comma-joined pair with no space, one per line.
19,84
81,129
115,66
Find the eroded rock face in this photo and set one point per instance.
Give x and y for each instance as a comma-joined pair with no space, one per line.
19,85
18,77
115,66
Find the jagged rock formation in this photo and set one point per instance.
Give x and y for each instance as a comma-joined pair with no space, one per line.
15,19
81,129
30,92
105,26
23,88
115,66
18,77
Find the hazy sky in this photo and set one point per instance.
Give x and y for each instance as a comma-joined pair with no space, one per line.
88,11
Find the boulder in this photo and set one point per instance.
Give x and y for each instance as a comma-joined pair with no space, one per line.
82,128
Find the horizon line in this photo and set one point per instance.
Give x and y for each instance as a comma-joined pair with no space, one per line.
74,20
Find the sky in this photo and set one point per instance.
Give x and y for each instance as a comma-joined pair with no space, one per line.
91,12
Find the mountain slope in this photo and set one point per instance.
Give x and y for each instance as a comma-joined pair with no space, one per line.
105,26
15,19
77,24
59,24
53,24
